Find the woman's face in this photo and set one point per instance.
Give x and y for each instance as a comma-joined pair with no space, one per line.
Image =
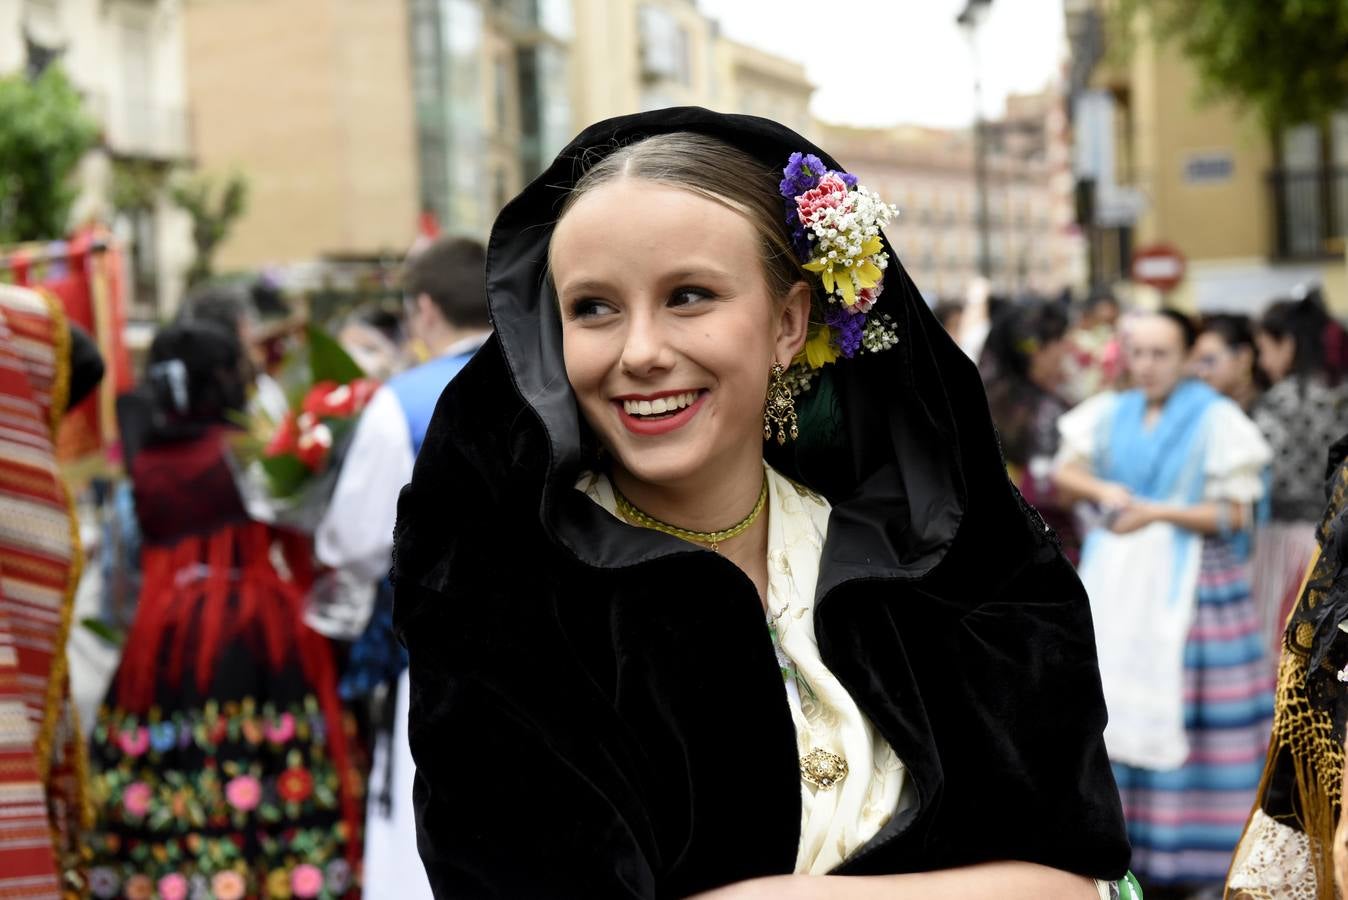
1156,356
1046,365
1225,368
669,329
1276,355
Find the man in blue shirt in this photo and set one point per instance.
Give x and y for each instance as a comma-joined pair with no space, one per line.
445,286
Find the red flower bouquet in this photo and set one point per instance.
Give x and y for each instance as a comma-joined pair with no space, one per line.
289,468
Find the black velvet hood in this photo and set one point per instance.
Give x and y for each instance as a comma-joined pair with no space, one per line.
596,708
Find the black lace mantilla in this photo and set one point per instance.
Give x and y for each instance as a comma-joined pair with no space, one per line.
1313,631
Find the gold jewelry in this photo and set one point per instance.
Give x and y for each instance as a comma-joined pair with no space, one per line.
823,769
713,539
780,409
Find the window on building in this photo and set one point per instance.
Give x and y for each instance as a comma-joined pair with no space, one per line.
43,33
133,118
1310,190
145,260
428,90
504,89
544,108
664,46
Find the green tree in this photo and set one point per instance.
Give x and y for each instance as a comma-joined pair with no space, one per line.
1286,59
44,131
214,209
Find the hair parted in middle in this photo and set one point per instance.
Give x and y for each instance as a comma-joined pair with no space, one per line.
715,170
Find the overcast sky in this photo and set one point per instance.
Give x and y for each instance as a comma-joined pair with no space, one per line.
881,62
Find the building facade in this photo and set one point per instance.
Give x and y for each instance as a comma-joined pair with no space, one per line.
1254,213
125,57
310,101
351,120
1033,246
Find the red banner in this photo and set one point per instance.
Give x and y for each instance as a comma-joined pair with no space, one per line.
87,274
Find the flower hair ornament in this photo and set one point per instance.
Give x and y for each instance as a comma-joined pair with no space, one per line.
835,230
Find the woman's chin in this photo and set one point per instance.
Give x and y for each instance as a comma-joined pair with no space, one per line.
662,469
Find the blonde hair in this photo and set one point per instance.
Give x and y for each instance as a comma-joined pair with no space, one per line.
713,169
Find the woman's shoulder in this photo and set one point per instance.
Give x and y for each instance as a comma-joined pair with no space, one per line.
1082,419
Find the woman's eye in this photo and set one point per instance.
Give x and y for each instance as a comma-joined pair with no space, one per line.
688,296
589,308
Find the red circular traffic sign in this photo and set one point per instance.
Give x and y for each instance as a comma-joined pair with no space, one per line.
1158,265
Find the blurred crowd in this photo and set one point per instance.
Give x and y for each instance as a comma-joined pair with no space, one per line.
1182,463
252,736
251,739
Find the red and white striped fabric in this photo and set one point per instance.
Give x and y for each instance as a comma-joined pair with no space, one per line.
39,567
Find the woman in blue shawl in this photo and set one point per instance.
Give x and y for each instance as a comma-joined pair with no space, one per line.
1173,470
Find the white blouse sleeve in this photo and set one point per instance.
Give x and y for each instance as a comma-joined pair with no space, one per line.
356,532
1236,456
1078,428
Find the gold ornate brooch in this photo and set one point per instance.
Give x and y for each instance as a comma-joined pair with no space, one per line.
823,769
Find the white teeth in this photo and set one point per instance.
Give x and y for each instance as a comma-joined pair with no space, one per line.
660,405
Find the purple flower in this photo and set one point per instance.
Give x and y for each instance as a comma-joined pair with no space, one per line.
802,173
847,329
799,240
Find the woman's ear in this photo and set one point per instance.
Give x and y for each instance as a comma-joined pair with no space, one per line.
793,323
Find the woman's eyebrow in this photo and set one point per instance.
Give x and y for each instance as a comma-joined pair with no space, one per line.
585,285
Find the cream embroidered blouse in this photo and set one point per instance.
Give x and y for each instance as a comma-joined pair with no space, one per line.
838,820
834,821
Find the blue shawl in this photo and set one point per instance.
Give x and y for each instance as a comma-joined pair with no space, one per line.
1163,463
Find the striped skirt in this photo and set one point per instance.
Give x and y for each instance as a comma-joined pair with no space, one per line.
1282,553
1184,823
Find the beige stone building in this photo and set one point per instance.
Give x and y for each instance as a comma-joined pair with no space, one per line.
126,59
310,100
350,119
1253,213
929,174
635,55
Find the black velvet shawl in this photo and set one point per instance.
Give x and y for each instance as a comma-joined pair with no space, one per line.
596,709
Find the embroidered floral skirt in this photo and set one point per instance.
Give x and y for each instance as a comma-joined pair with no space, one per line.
227,796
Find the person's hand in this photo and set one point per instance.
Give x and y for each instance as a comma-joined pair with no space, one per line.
1114,496
1133,517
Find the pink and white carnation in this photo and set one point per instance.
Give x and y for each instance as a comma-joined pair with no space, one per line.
847,247
831,193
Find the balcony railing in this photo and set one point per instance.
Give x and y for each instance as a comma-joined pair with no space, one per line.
1310,209
148,130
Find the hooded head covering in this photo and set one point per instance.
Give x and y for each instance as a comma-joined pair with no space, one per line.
596,663
889,438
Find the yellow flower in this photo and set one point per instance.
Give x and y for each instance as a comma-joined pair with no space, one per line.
819,350
849,280
278,884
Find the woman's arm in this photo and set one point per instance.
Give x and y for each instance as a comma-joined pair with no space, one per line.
988,881
1212,517
1075,482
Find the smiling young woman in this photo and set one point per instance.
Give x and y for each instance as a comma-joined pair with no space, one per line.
660,648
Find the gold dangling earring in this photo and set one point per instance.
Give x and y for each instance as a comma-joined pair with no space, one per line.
780,409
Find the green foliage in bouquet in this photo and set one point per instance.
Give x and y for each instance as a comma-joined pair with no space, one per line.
328,361
327,390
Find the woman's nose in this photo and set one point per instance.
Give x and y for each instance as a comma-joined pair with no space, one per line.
646,348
